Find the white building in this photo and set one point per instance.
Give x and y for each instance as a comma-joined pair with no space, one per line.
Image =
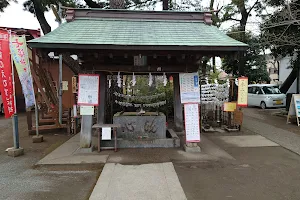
272,68
284,71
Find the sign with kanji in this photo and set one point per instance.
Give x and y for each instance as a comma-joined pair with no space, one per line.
192,122
294,109
20,57
5,75
189,88
88,89
74,84
242,100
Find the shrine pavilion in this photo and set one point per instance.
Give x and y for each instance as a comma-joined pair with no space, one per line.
125,41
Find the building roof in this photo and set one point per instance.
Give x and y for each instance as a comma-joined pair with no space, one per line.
147,30
30,33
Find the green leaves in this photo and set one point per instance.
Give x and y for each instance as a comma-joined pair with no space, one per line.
5,3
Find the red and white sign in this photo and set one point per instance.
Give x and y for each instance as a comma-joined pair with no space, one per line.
192,122
242,100
5,75
88,89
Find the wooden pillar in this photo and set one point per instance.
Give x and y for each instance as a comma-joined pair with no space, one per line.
178,115
102,99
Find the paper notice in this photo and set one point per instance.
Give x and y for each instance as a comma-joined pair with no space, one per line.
106,133
86,110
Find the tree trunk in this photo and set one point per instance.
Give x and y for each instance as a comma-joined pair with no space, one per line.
243,23
116,4
214,64
165,4
39,13
93,4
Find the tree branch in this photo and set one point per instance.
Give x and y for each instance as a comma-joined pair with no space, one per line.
39,13
233,19
252,7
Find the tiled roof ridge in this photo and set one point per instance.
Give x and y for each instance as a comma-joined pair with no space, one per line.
139,20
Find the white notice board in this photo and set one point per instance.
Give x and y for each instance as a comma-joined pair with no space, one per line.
87,110
189,88
106,133
88,89
192,122
294,109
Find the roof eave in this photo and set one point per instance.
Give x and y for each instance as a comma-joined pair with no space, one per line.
138,47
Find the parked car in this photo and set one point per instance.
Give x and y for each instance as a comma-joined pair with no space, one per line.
265,96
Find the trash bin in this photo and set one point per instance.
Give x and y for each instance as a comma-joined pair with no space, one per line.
288,100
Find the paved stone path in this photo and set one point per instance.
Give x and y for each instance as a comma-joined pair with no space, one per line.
144,182
282,137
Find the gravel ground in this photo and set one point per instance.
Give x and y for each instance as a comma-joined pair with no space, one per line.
267,116
274,128
265,173
262,173
20,180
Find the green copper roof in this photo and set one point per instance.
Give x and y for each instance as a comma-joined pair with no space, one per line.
132,32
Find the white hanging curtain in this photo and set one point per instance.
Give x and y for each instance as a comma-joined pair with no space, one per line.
165,79
119,81
150,79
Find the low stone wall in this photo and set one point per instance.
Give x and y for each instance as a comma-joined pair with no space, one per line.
141,127
173,142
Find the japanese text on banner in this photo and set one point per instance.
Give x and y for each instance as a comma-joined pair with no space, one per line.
243,92
19,53
5,75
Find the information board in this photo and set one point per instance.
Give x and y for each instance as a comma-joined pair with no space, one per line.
88,89
192,122
294,109
189,88
229,106
243,92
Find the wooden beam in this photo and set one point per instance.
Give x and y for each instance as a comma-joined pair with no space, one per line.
145,69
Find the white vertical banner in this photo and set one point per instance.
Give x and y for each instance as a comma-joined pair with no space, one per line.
192,122
18,49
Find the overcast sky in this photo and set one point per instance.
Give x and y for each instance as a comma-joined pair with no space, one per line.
14,16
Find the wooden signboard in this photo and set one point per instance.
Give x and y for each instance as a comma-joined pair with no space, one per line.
238,117
294,109
74,84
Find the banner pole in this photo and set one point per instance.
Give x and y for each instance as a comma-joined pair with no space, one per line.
36,110
60,88
15,116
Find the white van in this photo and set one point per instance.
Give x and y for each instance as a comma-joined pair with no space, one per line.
265,96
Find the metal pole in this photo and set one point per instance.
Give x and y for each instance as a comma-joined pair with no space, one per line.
15,116
36,110
60,88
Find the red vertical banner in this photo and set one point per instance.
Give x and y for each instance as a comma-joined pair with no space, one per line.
5,75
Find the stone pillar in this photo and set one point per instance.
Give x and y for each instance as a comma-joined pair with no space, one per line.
102,99
178,115
86,131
